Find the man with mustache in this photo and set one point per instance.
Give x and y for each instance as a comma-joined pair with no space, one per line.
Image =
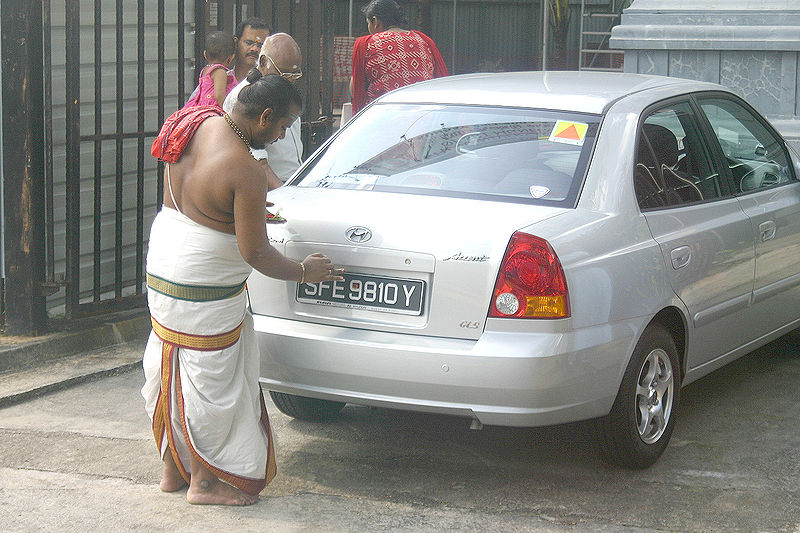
249,36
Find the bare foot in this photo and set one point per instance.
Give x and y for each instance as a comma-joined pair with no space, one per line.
216,492
171,485
171,480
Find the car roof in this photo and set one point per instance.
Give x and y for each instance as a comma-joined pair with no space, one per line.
586,92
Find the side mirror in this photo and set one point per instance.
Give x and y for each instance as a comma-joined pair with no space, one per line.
760,150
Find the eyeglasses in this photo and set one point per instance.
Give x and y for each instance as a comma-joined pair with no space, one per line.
291,76
248,43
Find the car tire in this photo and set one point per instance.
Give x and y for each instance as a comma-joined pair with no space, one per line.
637,430
304,408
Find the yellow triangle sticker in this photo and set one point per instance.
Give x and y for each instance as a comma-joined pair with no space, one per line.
569,132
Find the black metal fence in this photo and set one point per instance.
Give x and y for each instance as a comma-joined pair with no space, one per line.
105,209
86,85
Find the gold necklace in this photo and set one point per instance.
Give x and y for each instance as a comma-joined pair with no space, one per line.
236,130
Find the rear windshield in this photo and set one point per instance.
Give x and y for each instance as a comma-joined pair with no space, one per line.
519,155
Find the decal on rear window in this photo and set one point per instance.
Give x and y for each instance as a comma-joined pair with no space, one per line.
569,132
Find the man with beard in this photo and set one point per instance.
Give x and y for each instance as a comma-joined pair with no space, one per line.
201,362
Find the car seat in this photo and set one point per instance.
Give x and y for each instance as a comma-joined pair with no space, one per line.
665,148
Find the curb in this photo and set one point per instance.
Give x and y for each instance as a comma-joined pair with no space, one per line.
118,328
6,401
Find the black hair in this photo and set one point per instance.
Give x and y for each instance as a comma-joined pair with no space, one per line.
219,45
387,11
256,23
268,90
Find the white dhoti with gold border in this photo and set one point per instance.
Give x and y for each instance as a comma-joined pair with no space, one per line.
201,362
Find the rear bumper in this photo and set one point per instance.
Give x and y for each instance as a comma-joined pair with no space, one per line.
503,378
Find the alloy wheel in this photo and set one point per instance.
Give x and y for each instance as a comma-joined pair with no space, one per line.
654,394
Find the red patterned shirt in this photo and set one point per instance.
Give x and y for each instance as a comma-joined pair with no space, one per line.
395,60
388,60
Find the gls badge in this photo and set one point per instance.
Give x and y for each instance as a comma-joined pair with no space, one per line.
358,234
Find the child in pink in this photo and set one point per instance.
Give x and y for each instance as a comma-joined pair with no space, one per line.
216,78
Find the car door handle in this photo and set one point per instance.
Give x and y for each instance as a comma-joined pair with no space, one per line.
767,230
680,257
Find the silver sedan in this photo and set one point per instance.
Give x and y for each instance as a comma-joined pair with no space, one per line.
527,249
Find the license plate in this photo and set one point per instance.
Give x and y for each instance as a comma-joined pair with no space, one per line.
365,291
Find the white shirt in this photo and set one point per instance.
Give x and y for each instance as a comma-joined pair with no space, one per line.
284,155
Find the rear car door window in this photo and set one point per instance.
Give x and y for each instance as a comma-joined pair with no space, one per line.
757,158
673,165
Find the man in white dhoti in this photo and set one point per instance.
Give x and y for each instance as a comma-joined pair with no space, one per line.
201,362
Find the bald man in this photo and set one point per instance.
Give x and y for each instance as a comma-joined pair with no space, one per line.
281,55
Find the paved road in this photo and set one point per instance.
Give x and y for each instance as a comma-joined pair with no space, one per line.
83,459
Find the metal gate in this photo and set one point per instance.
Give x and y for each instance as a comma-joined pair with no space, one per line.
119,75
89,83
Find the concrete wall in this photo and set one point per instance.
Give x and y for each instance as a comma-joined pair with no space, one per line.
750,46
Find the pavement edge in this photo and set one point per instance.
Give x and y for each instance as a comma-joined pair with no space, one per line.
114,329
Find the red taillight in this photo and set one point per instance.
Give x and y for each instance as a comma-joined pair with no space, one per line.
531,282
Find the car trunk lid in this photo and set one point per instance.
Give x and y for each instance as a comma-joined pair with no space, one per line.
414,264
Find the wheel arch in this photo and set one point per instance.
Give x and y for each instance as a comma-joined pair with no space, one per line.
674,322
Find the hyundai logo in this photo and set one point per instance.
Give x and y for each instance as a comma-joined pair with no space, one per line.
358,234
